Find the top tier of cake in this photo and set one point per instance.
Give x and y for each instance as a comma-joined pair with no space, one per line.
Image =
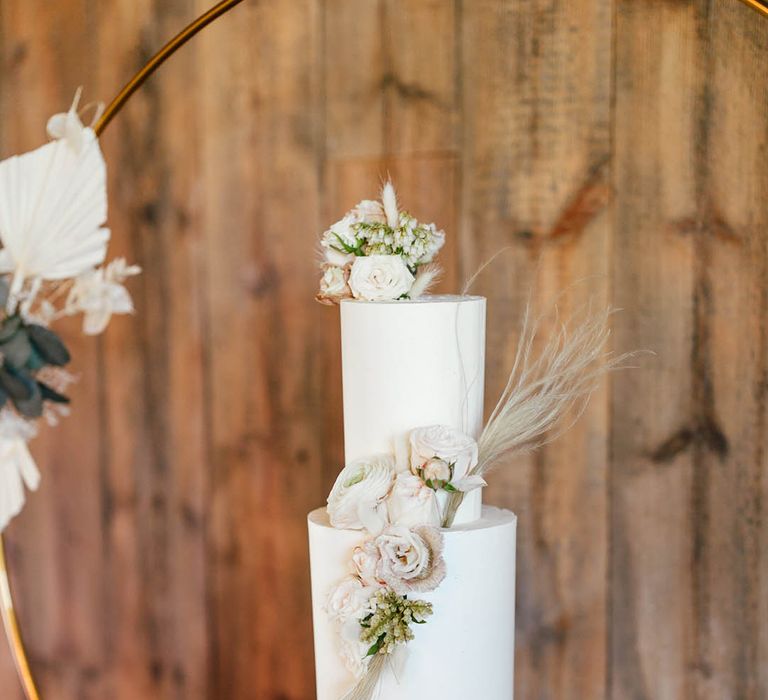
409,364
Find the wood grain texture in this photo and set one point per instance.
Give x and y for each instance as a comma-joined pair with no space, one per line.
618,148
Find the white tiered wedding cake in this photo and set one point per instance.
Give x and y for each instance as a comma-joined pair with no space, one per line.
413,581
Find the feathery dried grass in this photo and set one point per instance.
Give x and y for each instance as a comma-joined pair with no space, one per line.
366,686
542,390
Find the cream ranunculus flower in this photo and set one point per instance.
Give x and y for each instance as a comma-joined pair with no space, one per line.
412,502
445,443
357,500
349,600
380,278
410,559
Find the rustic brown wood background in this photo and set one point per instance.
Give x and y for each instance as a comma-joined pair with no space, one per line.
621,141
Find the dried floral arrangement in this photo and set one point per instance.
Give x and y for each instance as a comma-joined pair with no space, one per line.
53,206
402,502
378,252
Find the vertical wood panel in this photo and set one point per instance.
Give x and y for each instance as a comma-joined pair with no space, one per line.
688,432
658,79
155,480
536,140
264,391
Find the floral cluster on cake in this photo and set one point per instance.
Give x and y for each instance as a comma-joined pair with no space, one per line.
53,205
378,252
396,501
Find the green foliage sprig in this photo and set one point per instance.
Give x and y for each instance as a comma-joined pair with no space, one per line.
389,623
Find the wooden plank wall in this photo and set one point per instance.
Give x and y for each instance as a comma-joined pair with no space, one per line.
618,146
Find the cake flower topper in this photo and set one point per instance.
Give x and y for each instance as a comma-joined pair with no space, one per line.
378,252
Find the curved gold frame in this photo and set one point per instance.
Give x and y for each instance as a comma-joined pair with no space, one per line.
758,5
10,621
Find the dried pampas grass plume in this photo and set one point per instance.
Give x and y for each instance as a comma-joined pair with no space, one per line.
366,686
389,201
427,276
541,391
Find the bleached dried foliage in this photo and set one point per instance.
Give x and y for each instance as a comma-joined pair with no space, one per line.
546,392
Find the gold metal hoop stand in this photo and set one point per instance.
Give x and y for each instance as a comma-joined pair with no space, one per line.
759,5
10,622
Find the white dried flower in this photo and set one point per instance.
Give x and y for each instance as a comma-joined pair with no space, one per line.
380,278
99,294
411,559
333,285
357,500
17,467
53,203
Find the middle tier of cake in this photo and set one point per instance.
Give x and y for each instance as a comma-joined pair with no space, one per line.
410,364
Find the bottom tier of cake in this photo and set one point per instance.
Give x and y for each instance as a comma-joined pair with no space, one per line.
466,648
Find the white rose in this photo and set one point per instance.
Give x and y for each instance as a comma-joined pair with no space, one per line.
350,600
333,283
412,502
446,444
357,500
380,278
365,559
410,559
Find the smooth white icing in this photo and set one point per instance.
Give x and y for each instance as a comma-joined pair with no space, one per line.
408,364
466,649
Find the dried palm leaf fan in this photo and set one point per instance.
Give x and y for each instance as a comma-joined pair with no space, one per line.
10,621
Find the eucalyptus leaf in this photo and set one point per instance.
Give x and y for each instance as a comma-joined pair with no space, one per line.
31,407
17,349
49,345
8,327
49,394
5,290
14,385
35,361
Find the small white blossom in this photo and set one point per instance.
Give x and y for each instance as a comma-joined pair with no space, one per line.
333,285
100,293
17,467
